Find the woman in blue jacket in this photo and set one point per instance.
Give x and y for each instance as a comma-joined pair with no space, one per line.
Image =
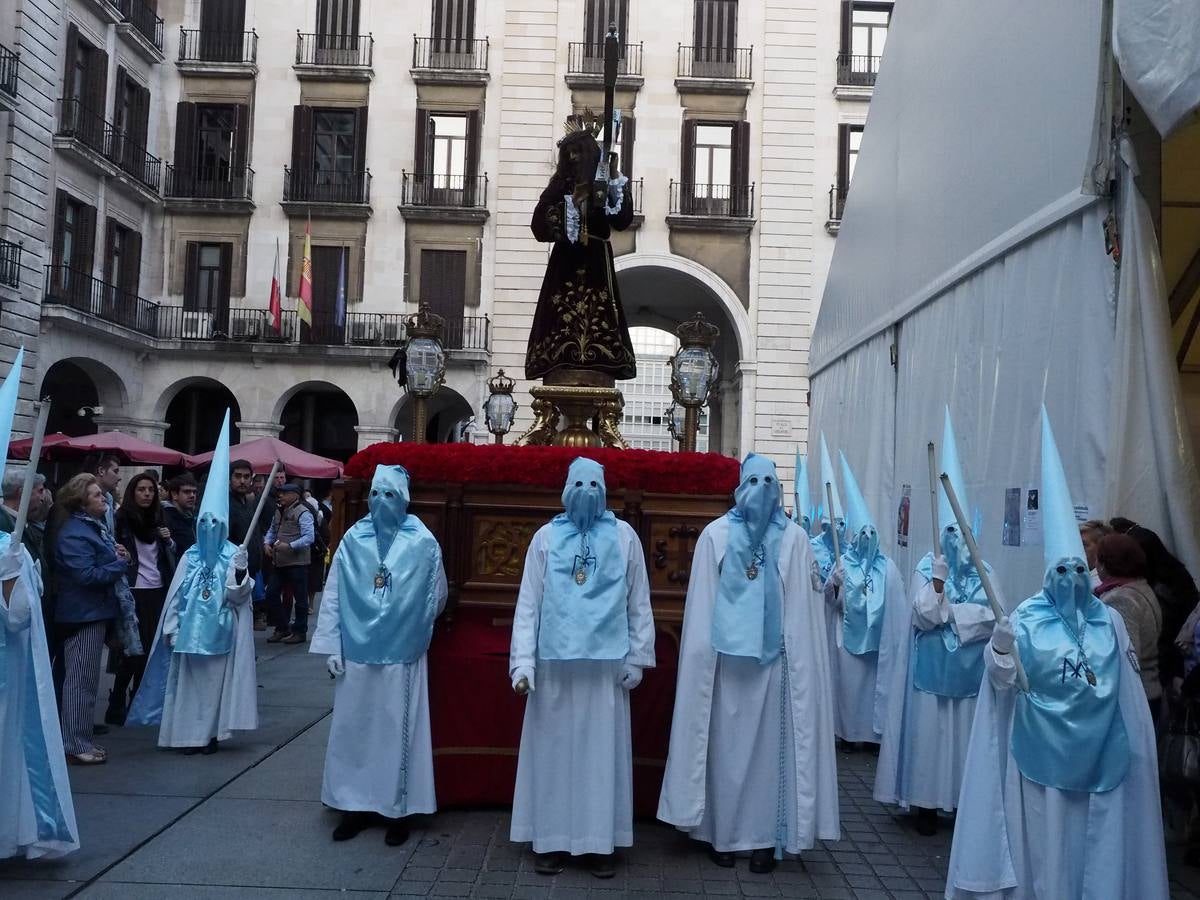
88,565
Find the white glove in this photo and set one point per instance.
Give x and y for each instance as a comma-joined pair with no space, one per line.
336,665
11,560
941,569
631,676
522,672
1003,638
241,560
838,576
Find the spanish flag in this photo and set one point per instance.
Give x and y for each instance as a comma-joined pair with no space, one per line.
305,304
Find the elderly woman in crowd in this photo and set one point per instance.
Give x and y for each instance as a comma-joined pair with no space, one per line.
142,532
88,567
1121,565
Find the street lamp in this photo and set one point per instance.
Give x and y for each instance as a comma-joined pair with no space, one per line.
425,364
693,373
500,409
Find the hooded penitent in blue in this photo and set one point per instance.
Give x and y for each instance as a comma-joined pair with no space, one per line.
205,619
802,508
388,565
1067,730
748,615
584,612
865,571
51,796
941,664
822,544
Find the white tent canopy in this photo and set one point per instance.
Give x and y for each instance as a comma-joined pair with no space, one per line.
972,252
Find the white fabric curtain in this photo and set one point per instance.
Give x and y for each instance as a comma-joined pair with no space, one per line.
1151,467
1157,43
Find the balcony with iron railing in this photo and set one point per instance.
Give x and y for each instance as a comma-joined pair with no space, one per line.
450,60
856,74
585,64
200,189
431,196
837,204
715,69
10,264
107,149
712,201
143,26
10,68
335,193
108,302
336,57
218,52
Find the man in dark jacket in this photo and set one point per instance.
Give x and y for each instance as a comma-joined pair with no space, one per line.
179,511
242,503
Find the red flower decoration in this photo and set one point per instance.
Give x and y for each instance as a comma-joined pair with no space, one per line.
653,471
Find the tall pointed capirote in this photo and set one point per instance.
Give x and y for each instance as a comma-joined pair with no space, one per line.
1059,527
216,488
953,468
828,477
9,394
857,514
802,499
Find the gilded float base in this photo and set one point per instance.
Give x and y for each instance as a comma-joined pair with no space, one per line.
591,415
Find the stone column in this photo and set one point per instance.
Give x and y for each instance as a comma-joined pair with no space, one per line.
374,434
251,430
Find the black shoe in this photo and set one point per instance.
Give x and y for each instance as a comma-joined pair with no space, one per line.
926,822
277,635
550,863
351,825
603,865
99,729
397,833
114,715
724,860
762,861
189,751
210,748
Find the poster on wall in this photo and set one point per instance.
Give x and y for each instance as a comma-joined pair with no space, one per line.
1012,517
1031,522
903,515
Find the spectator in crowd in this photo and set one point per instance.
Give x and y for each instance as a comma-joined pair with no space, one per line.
316,569
39,509
152,555
1121,565
288,545
179,511
1092,532
1172,585
87,569
242,503
106,467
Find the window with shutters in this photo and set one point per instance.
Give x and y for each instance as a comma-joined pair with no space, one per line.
849,139
333,145
715,170
222,30
122,272
211,143
444,288
207,282
131,120
453,26
714,31
446,160
215,132
598,15
864,33
329,156
337,38
72,252
85,86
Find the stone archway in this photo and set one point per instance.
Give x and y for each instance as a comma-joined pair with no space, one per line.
447,414
318,417
193,410
660,290
80,390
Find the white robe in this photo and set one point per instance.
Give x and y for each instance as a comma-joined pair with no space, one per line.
923,753
731,725
1017,840
209,696
368,768
574,789
27,702
860,683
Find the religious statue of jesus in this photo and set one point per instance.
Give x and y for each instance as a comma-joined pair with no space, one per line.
579,323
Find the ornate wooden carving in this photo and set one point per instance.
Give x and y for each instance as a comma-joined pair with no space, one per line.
501,544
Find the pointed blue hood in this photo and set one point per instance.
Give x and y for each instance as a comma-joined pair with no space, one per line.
1061,530
9,394
802,508
212,521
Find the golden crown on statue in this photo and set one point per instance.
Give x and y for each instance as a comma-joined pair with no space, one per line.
586,121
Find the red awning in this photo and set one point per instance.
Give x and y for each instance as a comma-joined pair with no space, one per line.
19,449
262,453
129,448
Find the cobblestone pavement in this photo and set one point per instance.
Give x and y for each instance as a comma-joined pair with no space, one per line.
248,823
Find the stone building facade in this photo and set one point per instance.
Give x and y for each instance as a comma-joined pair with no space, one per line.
161,161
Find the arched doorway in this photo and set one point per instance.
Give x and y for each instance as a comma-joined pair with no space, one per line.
659,291
320,418
81,390
195,413
449,418
648,397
